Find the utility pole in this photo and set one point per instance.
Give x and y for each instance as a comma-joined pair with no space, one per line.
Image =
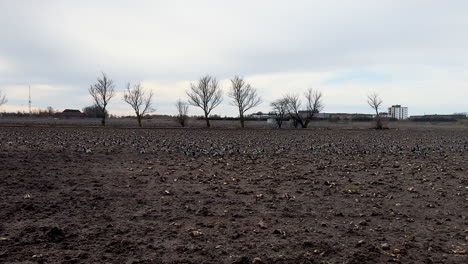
30,100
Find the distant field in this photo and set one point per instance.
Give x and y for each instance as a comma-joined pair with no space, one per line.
170,122
94,195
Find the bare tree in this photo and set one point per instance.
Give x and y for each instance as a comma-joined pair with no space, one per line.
244,97
314,104
279,110
206,94
182,109
300,117
3,99
139,100
374,101
50,110
293,104
102,92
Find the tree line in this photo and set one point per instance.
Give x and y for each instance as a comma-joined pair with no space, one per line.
207,94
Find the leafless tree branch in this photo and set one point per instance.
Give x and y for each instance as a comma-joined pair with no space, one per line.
205,94
280,108
374,101
102,92
293,107
139,100
244,96
314,105
182,110
3,99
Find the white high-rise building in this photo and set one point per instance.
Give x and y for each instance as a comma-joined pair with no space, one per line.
398,112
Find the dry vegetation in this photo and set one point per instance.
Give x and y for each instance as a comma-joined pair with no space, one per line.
94,195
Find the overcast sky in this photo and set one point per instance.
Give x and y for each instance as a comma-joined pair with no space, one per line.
412,52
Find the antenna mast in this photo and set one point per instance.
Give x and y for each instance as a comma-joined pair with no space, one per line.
30,99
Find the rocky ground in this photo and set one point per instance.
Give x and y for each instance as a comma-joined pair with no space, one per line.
92,195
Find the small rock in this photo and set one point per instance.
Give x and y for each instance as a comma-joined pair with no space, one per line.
277,232
196,233
363,223
385,246
257,261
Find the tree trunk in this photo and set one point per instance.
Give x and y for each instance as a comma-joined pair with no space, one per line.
278,122
295,123
242,121
207,120
103,120
378,121
139,120
301,122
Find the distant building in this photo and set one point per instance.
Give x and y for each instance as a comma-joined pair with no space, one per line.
398,112
338,116
384,114
260,115
67,113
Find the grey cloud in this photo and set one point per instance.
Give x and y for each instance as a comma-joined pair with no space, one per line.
68,43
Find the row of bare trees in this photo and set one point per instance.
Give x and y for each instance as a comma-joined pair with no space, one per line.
288,107
136,96
291,106
207,95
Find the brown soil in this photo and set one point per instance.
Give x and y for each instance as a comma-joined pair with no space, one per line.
91,195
